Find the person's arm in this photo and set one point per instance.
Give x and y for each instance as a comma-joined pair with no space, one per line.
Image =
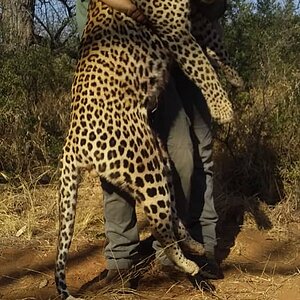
126,7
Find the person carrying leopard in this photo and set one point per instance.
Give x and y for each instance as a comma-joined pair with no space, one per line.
99,111
121,252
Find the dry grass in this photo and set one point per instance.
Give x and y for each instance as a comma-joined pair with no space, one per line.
29,212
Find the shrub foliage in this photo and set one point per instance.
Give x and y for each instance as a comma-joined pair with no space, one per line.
34,106
261,153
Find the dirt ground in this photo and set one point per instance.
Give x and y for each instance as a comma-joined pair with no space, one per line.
262,264
258,267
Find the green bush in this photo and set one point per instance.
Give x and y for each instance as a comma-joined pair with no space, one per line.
261,153
34,106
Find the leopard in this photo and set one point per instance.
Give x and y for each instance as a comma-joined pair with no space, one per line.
122,68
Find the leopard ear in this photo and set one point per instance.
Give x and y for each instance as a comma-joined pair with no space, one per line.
214,10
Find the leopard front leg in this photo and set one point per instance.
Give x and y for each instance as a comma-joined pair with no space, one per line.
148,185
198,68
222,60
209,35
173,28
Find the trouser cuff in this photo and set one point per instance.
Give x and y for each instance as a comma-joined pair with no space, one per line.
119,264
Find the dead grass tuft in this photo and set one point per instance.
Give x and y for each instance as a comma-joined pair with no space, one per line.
29,212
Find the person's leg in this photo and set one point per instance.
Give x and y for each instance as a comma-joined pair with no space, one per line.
121,251
81,14
201,217
180,147
202,214
121,230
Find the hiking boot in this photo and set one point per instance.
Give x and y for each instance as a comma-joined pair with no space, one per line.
127,278
209,268
112,279
199,281
120,278
145,248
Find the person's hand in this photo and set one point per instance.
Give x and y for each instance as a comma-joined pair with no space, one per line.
128,8
137,15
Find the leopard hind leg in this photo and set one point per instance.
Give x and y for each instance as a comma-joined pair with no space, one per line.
160,217
186,241
146,181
